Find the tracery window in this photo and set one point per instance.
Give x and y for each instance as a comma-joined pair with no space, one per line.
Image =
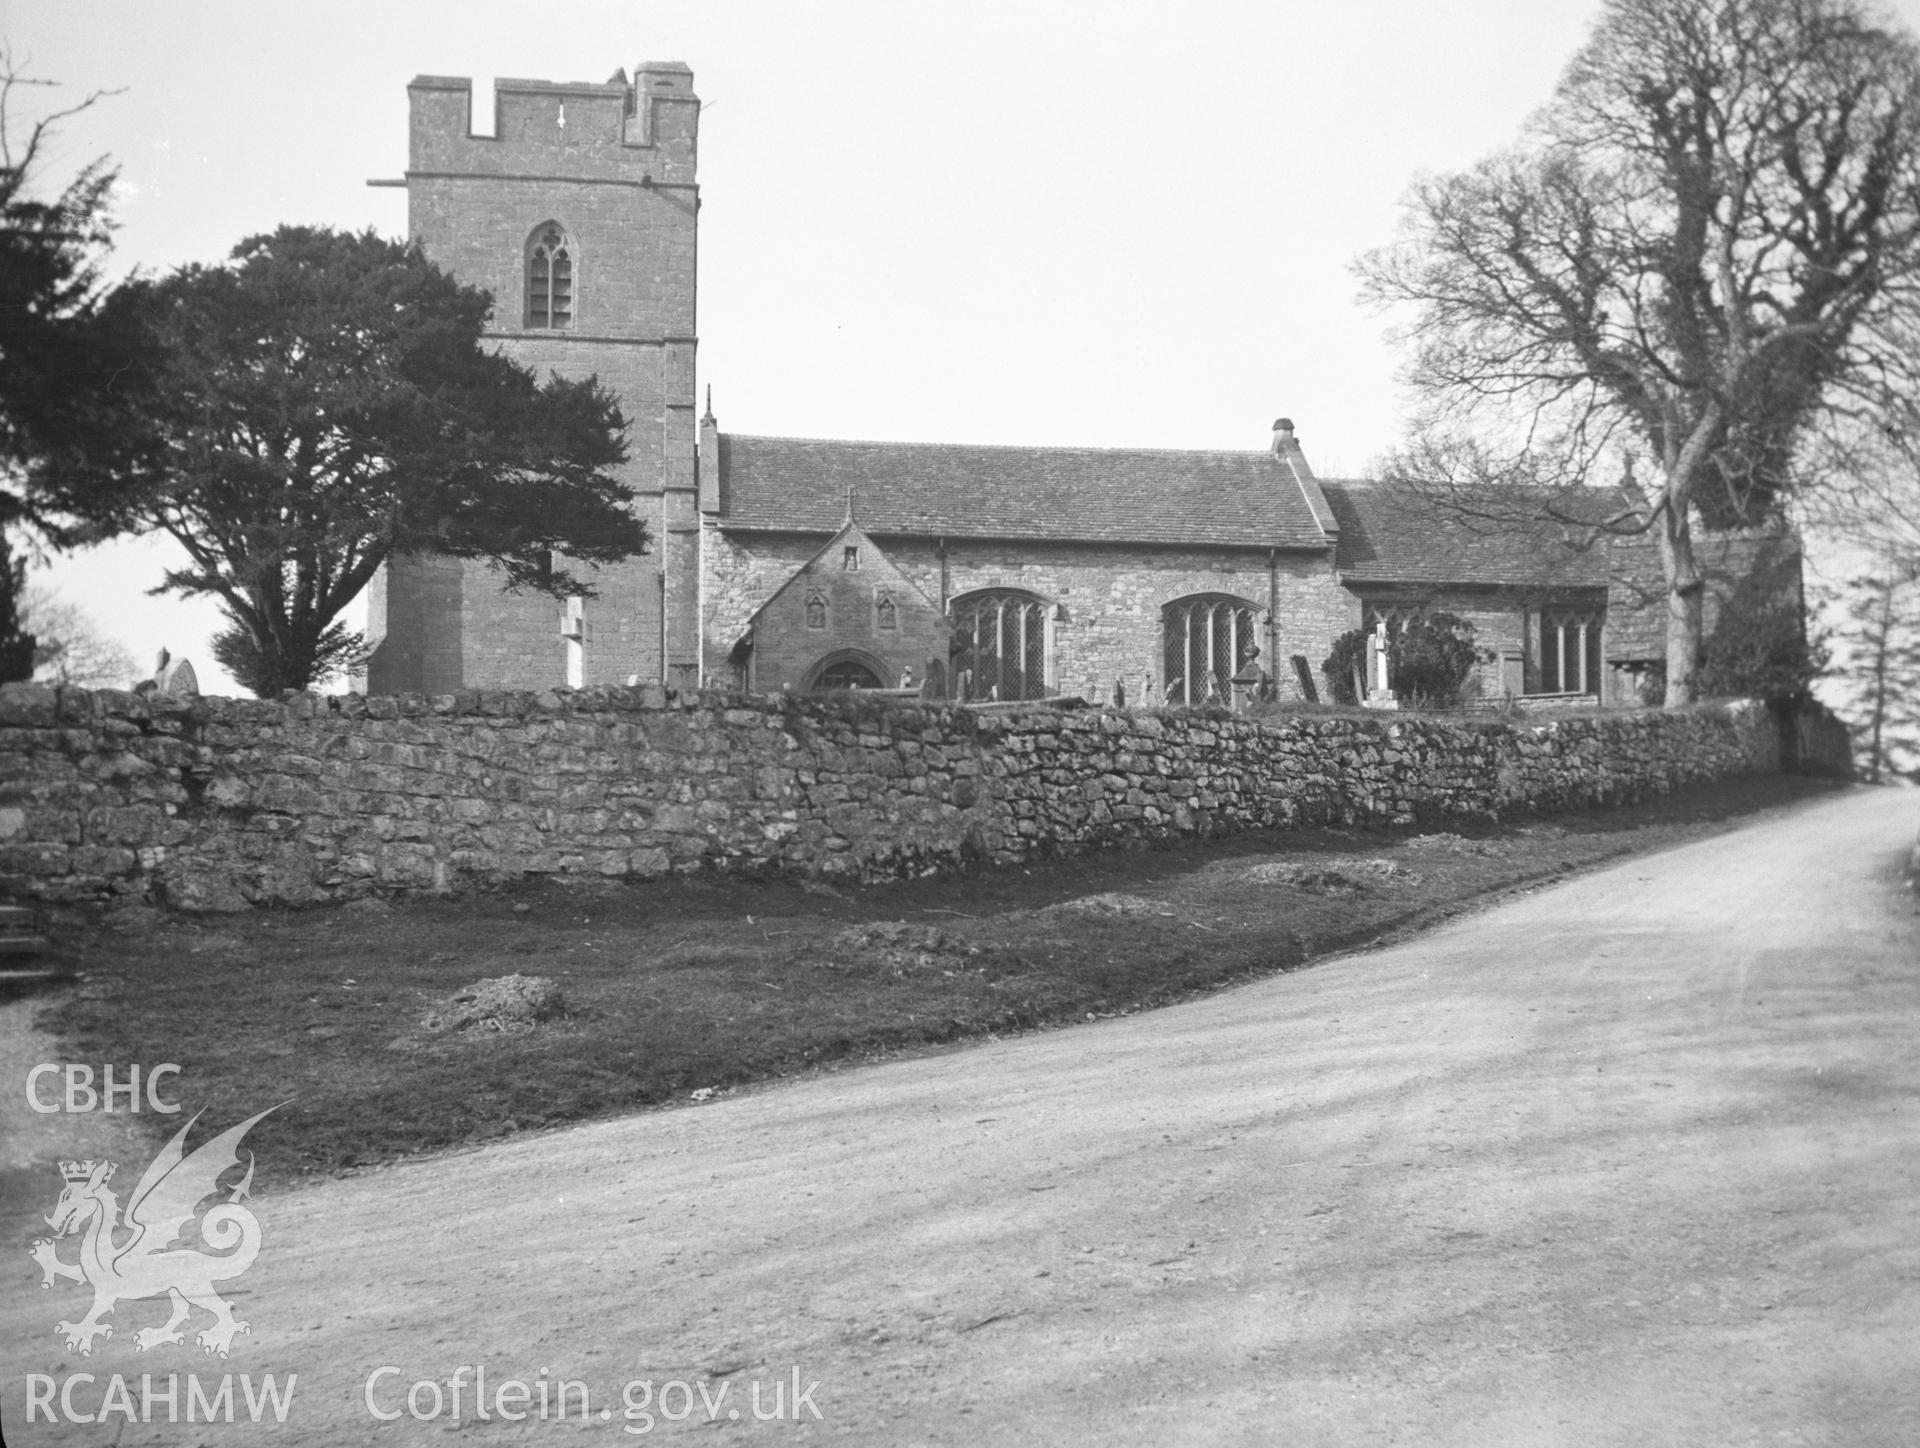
1396,615
1567,660
1002,644
1206,639
549,277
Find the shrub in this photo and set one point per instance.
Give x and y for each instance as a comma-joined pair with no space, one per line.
1429,658
1349,653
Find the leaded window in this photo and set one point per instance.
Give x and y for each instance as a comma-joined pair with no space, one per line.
1207,638
549,278
1001,645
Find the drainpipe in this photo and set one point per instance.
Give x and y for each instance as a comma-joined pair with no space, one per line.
1273,617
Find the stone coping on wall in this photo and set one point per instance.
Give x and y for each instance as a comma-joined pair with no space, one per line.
40,704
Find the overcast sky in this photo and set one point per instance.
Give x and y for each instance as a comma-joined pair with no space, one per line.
1105,224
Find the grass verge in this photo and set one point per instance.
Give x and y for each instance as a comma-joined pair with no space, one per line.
686,989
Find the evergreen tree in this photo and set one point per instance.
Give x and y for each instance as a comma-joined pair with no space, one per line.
328,401
16,644
74,359
72,355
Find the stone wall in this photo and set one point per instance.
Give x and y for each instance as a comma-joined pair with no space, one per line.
1813,740
222,803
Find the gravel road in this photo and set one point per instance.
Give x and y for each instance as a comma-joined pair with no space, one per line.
1634,1159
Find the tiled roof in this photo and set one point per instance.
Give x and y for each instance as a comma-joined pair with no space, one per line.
1734,566
1637,601
1392,534
1058,494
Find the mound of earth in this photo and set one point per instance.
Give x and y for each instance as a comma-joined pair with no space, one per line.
897,946
1338,877
1112,903
1455,844
508,1003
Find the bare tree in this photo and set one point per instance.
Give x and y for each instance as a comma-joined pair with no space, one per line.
1877,663
1704,251
70,646
1867,489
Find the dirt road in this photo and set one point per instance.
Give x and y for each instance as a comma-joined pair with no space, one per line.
1630,1160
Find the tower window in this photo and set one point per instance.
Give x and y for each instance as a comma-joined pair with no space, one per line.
549,278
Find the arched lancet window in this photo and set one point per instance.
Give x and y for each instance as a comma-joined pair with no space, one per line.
1002,645
550,259
1206,638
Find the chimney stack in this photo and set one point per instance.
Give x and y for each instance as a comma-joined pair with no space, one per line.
1288,452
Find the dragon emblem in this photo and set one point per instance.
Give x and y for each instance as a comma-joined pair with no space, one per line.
133,1254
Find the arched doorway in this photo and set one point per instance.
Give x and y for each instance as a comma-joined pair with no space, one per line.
847,669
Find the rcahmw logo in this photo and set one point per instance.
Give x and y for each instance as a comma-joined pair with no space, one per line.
164,1400
129,1254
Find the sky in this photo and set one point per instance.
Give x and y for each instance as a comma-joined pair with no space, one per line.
1062,222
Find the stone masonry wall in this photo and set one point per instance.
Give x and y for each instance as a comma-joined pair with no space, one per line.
1110,598
222,803
614,166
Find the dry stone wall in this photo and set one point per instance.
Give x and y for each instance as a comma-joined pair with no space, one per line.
212,804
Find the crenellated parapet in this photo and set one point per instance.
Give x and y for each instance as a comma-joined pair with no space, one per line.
643,131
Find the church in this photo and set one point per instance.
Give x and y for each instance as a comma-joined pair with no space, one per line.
970,571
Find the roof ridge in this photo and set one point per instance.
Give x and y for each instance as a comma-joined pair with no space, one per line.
1004,446
1397,484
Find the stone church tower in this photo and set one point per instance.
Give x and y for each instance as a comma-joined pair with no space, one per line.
579,214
